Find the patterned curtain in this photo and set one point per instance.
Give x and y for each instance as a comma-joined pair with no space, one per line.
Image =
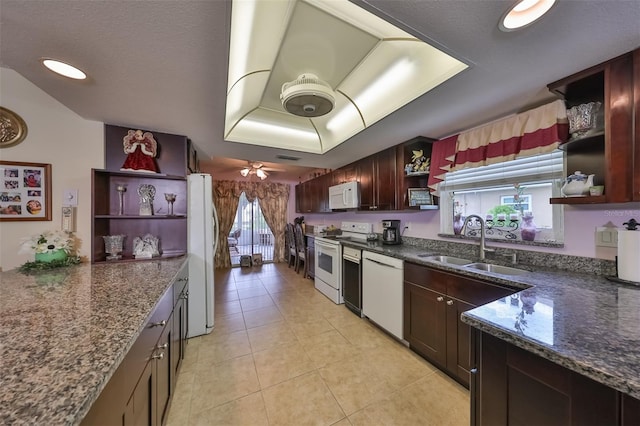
273,199
532,132
226,197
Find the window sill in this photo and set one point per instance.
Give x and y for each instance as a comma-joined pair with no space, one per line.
552,244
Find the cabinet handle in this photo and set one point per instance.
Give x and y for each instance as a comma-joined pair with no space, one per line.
158,324
439,298
449,302
158,356
162,347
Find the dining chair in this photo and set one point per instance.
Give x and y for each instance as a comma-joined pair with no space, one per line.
290,242
301,250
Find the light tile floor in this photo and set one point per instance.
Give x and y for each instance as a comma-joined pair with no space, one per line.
281,353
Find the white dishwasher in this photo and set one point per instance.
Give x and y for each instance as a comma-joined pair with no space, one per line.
382,291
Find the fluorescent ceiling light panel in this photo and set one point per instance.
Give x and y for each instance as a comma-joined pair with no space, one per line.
373,67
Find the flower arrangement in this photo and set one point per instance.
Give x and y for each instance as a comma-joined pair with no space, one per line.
49,242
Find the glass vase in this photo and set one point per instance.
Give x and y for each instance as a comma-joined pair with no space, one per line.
528,228
458,223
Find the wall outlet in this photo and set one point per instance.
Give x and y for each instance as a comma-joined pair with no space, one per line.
407,226
606,237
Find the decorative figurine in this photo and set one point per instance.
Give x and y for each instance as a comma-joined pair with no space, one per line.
147,193
171,198
113,246
121,188
145,247
141,149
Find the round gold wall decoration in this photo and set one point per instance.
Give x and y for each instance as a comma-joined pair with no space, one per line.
13,129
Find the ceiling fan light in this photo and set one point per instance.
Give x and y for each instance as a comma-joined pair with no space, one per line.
261,174
524,13
245,172
64,69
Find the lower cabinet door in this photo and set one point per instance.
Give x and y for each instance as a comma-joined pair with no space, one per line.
458,340
164,372
140,408
425,322
517,387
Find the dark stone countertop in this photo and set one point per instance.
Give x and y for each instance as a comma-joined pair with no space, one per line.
64,332
581,321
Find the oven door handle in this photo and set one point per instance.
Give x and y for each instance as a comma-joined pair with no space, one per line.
328,246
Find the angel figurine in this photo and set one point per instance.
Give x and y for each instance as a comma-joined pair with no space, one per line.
141,149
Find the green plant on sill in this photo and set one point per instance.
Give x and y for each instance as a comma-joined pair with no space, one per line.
30,267
506,209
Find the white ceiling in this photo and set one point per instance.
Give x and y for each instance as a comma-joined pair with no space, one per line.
162,64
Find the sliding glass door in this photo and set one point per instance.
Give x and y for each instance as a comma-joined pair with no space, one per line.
250,235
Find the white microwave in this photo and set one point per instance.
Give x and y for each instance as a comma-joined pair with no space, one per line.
344,196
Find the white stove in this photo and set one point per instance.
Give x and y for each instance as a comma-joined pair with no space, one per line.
328,258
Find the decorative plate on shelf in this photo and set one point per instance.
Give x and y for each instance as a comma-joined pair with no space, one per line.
13,129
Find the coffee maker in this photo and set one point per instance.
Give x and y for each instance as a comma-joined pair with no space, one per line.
391,232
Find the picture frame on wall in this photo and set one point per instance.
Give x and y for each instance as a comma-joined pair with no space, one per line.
420,197
25,191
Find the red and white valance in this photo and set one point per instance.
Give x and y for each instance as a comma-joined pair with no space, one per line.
536,131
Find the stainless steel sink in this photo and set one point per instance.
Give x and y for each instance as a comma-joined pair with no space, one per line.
449,259
498,269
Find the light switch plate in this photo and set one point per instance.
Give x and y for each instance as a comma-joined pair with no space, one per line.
606,237
70,197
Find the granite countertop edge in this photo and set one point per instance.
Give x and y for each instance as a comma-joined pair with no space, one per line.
94,315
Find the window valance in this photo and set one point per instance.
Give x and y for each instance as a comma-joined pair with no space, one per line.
532,132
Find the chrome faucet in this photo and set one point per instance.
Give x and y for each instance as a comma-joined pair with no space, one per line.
483,248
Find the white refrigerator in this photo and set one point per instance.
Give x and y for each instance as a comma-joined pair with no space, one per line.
202,224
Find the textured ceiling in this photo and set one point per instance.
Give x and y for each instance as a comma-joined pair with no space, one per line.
162,64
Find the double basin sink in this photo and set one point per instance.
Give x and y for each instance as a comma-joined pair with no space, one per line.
466,263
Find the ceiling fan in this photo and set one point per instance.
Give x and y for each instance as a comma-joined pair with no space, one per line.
256,168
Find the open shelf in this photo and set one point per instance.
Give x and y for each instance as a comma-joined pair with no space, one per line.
590,142
594,199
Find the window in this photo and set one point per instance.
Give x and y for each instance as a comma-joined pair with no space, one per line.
490,193
510,200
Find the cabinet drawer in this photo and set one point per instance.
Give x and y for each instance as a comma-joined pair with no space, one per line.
475,292
425,277
180,282
141,351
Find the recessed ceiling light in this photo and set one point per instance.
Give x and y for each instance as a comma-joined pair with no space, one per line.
524,13
64,69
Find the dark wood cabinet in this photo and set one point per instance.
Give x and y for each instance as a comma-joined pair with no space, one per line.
636,136
377,175
106,220
612,152
425,322
515,387
344,174
312,196
433,303
140,391
412,179
115,214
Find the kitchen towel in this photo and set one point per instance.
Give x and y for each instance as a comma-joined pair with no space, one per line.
629,255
